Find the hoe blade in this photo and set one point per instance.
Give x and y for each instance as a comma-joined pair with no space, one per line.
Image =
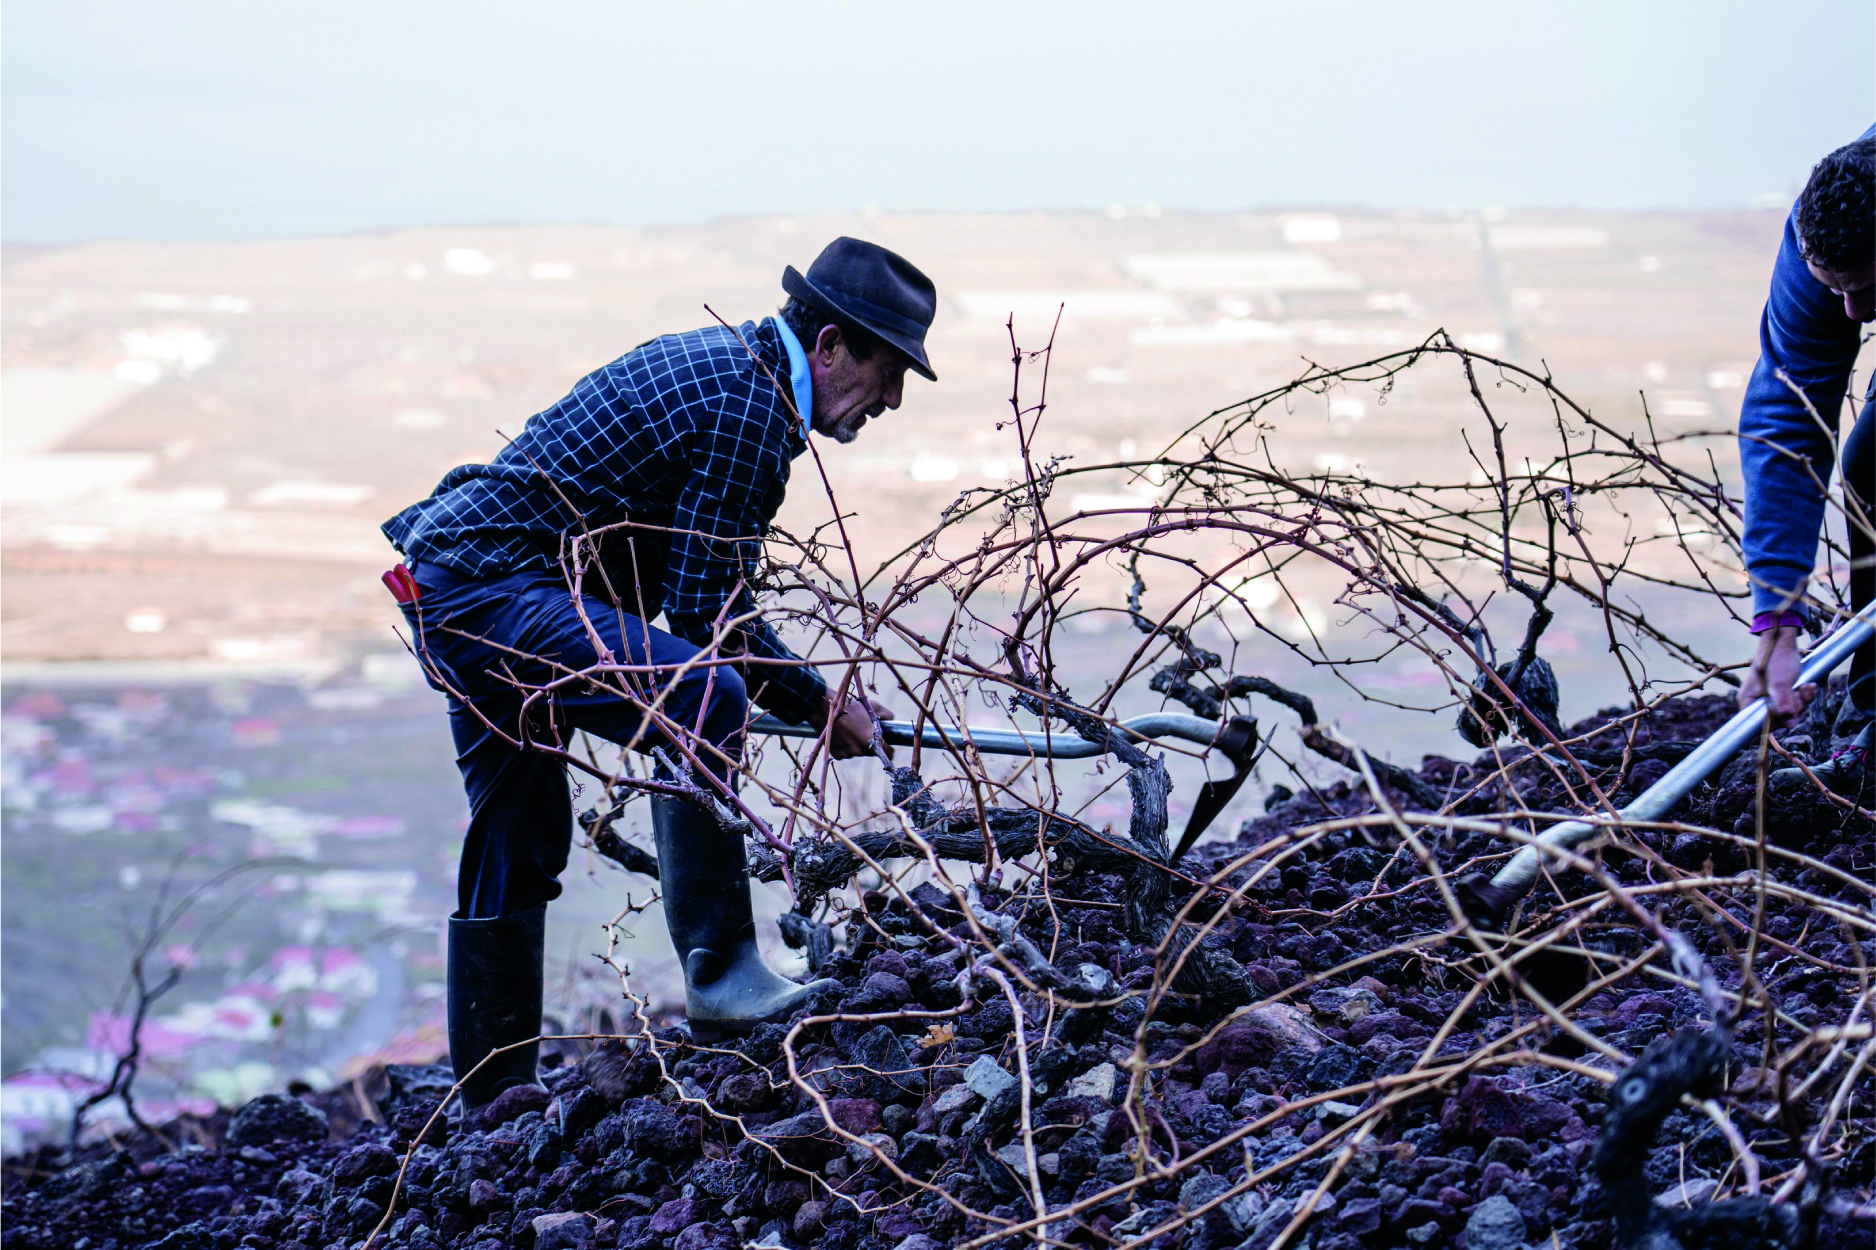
1238,742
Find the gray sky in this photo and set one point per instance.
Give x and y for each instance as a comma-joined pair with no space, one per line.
238,119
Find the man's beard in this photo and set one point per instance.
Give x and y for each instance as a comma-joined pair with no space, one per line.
848,428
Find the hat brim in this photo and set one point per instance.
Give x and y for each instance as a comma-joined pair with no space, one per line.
803,287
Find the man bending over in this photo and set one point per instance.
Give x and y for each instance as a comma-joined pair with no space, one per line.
689,438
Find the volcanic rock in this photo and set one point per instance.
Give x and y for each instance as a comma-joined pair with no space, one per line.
564,1230
1097,1082
276,1117
987,1078
1495,1224
511,1104
1257,1036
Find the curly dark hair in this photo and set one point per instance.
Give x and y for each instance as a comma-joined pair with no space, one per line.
1837,212
807,321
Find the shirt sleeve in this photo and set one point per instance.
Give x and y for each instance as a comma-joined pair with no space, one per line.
737,477
1805,334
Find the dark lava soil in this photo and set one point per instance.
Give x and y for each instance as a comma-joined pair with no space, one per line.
691,1148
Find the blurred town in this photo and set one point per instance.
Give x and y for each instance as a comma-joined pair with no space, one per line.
202,684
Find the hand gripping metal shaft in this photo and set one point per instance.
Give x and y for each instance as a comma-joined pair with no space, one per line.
1235,739
1517,876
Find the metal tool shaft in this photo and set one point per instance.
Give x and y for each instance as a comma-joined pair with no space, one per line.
1517,876
1061,746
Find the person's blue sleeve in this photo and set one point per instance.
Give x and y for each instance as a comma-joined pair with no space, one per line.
1783,449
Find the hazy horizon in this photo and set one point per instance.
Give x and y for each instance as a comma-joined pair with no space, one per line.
214,120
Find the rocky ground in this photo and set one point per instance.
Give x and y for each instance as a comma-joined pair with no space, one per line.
1361,1092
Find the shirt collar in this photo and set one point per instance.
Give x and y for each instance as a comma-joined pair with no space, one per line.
798,374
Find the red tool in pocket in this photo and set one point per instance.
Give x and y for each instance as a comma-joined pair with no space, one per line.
402,585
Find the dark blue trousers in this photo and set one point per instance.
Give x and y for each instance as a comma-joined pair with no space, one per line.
471,634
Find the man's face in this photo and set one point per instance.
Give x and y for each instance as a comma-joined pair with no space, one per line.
1857,288
847,392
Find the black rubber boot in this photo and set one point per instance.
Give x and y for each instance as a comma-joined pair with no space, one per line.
495,1000
703,874
1849,772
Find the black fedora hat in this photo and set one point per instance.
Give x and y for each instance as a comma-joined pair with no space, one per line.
876,289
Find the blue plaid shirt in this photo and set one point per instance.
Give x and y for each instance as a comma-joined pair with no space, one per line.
686,432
